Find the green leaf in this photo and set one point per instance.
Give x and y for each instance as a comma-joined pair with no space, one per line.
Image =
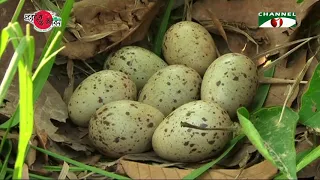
300,157
262,92
251,132
163,28
198,172
300,1
310,102
278,137
79,164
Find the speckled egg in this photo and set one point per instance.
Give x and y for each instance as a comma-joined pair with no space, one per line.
124,127
189,43
231,81
171,87
96,90
175,143
138,63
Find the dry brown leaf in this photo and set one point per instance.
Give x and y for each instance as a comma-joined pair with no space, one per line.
32,154
244,15
106,23
74,137
72,175
263,170
278,92
241,157
25,172
64,171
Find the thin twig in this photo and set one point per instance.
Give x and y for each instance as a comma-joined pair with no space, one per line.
282,46
270,80
185,124
281,58
296,83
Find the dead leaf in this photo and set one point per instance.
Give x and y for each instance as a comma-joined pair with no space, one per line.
72,175
278,92
263,170
241,157
25,172
244,15
103,24
73,137
32,154
64,171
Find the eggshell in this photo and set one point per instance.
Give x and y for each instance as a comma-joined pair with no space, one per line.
175,143
124,127
96,90
231,81
189,43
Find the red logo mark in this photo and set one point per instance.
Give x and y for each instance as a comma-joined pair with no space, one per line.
43,19
276,22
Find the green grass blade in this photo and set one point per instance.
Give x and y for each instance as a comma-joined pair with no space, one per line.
79,164
252,133
35,176
59,168
309,158
11,70
304,158
262,92
163,28
15,33
198,172
3,171
43,75
26,111
2,1
4,40
17,11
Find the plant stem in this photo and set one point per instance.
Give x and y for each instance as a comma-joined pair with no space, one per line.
185,124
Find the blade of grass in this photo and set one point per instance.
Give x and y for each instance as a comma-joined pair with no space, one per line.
35,176
11,70
198,172
163,28
59,168
17,11
4,40
6,160
26,109
262,92
40,80
79,164
15,32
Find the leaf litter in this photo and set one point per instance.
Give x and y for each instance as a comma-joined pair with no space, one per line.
103,24
240,39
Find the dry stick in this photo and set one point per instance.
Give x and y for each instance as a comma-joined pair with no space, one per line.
185,124
283,46
275,62
84,62
231,28
271,80
295,84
